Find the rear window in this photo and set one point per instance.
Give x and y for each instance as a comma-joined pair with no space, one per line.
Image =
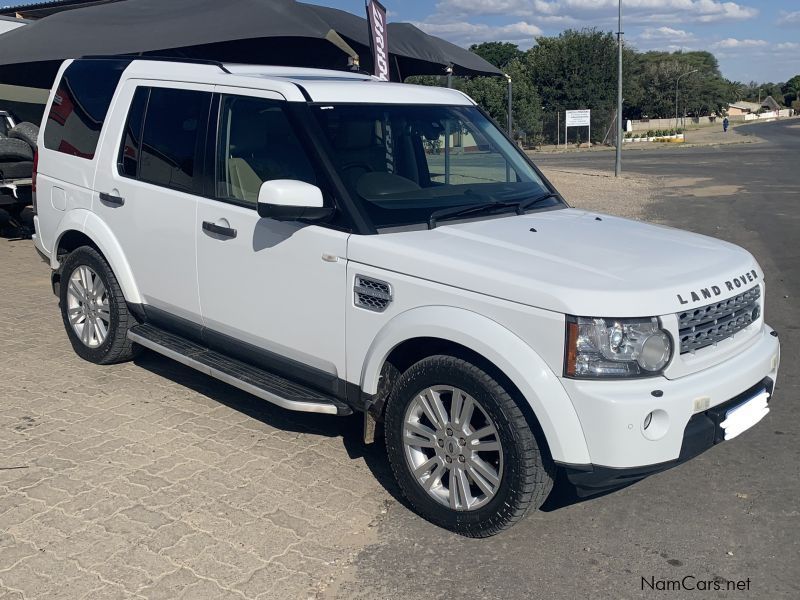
80,106
172,139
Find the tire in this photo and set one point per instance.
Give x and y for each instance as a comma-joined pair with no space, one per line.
11,150
115,346
19,169
27,132
524,476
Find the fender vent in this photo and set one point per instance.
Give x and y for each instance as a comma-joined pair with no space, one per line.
372,294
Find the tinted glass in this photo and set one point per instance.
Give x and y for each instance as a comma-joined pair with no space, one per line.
131,136
257,144
174,133
405,162
80,106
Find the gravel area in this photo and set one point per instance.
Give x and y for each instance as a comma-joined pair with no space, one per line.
627,196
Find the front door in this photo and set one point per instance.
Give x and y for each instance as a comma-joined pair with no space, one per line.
271,292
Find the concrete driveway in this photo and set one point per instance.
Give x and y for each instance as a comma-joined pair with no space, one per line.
148,480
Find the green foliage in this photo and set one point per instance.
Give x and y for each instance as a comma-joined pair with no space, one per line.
791,91
578,69
500,54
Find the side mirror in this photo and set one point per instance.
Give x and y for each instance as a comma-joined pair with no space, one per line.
290,200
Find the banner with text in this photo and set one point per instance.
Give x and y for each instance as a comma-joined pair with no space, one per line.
379,39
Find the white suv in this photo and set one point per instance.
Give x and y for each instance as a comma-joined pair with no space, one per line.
336,244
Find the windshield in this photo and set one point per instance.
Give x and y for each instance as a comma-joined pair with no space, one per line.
406,162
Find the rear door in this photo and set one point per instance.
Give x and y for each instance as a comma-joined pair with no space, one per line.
272,292
148,186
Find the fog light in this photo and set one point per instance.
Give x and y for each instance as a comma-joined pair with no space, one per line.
655,425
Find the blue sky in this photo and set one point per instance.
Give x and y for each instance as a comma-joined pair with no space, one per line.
754,41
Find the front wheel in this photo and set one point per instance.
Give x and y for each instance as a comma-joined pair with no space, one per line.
462,450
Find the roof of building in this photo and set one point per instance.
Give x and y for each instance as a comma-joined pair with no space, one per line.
742,105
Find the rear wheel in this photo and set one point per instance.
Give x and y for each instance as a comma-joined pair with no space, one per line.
93,309
461,448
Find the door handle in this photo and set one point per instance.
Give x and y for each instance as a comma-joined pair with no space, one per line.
109,199
227,232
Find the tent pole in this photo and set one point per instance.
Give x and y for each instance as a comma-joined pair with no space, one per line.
397,66
449,71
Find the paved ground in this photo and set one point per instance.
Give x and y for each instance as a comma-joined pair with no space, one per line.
149,480
732,513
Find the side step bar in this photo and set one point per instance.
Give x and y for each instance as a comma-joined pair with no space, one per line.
260,383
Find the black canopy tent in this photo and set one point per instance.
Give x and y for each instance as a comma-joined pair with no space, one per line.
411,50
256,31
251,31
280,32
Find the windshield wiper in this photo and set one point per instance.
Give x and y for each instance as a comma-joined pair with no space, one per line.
524,205
461,211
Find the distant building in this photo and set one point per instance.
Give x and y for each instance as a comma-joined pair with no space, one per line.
745,108
39,10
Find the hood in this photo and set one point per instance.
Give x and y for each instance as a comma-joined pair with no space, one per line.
569,261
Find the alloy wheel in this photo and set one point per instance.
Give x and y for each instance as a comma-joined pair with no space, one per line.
88,307
452,448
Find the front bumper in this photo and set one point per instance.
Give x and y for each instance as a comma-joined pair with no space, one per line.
613,413
701,433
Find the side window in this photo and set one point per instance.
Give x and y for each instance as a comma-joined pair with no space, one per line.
256,143
173,137
128,161
80,106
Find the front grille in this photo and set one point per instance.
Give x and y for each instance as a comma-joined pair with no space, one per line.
708,325
372,294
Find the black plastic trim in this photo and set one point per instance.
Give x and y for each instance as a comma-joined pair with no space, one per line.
266,360
702,432
178,59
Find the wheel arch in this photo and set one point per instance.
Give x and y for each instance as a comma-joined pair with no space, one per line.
427,331
82,227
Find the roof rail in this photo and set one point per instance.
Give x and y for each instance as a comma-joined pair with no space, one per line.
177,59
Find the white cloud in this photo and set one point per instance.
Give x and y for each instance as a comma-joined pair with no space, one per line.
789,18
733,43
788,46
666,34
706,11
464,33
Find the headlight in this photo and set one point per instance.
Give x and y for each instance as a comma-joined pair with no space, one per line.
601,348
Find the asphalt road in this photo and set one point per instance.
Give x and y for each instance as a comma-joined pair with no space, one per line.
732,514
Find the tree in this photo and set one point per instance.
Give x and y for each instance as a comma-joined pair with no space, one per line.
791,91
703,92
577,69
492,94
500,54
